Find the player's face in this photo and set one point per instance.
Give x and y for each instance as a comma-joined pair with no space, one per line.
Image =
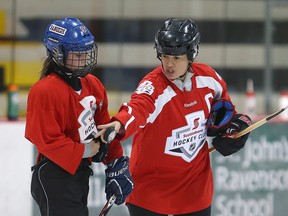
174,66
77,59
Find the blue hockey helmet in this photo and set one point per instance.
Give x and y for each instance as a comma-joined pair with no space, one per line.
70,35
178,37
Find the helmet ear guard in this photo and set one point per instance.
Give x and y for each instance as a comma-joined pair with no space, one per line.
221,115
193,54
56,55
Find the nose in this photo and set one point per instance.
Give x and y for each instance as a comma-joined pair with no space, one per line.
170,62
83,61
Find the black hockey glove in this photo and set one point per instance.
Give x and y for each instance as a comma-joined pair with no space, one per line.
221,115
226,145
118,180
103,151
108,136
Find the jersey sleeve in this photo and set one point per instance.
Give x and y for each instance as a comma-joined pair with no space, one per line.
224,92
214,81
220,87
134,114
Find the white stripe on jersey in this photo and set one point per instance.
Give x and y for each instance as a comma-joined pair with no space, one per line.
129,108
210,82
132,117
129,122
160,102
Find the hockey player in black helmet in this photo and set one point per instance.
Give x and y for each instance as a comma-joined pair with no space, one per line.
170,114
178,37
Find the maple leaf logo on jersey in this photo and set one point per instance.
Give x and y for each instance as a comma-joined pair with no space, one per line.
187,141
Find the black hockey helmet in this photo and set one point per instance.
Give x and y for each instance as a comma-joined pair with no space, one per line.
178,37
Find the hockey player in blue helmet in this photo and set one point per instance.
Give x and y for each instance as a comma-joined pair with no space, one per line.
64,108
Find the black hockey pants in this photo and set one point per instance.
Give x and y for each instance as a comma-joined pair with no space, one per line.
59,193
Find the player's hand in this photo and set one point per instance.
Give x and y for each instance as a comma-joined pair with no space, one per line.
102,153
118,180
95,145
116,125
223,142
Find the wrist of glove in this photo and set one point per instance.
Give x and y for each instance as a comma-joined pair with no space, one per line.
118,180
108,136
220,116
223,142
102,153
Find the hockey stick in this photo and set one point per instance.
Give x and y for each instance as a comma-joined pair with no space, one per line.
108,136
107,206
254,126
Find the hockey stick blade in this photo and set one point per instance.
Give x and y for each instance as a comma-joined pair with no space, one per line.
108,206
254,126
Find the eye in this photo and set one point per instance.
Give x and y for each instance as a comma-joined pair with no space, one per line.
75,54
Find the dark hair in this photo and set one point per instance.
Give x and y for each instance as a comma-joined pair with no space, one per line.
48,67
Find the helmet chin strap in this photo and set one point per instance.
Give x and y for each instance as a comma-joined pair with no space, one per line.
182,77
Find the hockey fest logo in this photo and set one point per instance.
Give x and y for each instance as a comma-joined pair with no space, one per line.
187,141
88,127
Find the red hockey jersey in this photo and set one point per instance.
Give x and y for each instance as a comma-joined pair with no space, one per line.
170,162
59,120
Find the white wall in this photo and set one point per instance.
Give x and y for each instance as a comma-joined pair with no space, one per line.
16,158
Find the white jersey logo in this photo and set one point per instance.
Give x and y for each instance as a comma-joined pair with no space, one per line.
88,127
187,141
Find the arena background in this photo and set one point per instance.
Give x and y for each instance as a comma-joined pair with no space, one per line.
241,39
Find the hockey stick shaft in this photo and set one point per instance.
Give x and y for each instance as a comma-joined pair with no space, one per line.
254,126
108,206
109,135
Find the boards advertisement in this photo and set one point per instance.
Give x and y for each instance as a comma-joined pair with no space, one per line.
254,181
